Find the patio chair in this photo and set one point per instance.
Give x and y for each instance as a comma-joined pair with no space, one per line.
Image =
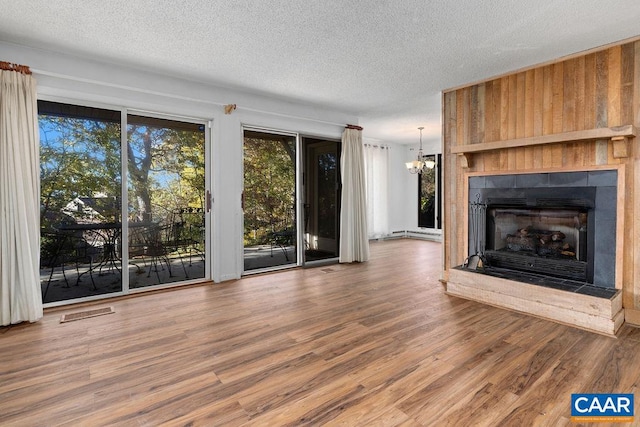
63,251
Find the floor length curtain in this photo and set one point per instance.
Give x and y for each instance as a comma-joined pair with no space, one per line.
20,293
354,242
376,160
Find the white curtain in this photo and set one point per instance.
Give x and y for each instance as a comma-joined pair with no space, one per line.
20,292
354,243
376,161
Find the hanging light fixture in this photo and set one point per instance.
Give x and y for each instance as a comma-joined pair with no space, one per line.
420,165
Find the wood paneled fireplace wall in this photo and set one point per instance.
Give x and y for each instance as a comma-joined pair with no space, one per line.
578,115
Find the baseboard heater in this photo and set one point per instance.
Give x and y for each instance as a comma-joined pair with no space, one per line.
408,234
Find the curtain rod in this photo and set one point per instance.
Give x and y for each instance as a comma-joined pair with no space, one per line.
184,98
9,66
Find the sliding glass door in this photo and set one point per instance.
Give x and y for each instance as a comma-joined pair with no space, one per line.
321,199
80,181
167,195
275,172
97,239
269,200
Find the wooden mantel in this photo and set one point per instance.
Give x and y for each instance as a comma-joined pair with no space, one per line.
619,136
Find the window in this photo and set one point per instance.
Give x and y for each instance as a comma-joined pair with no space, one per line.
430,195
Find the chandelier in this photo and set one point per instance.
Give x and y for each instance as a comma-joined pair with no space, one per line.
420,165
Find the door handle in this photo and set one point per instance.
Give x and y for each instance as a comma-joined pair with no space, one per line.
209,200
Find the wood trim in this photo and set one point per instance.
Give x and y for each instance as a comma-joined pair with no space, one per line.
632,316
620,146
466,160
575,302
622,238
594,314
617,167
625,131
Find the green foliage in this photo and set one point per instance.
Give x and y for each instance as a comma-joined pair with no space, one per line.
426,215
78,158
269,187
81,159
166,169
427,188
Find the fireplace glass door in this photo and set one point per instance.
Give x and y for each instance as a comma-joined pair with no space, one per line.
559,233
549,241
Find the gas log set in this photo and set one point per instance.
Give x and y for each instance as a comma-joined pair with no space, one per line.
541,242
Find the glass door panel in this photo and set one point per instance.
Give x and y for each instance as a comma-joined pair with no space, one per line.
167,196
84,224
322,199
80,172
269,200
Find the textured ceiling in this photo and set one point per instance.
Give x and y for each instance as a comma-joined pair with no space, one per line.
385,61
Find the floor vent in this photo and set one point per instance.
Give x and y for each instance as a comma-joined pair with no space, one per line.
70,317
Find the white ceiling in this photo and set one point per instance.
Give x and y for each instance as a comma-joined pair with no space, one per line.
384,60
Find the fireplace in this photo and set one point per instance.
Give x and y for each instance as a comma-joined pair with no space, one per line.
541,230
556,225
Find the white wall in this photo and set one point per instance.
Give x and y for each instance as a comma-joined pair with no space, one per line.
403,186
75,79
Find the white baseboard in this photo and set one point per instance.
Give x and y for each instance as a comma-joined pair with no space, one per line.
227,277
434,235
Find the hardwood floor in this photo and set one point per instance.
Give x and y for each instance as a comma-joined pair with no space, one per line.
377,343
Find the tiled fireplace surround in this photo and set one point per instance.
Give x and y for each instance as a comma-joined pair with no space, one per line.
602,216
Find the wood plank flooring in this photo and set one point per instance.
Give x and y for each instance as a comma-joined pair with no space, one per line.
377,343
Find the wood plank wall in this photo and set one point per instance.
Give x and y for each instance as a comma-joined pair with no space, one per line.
595,90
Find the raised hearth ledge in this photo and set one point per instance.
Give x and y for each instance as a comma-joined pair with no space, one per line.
601,315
